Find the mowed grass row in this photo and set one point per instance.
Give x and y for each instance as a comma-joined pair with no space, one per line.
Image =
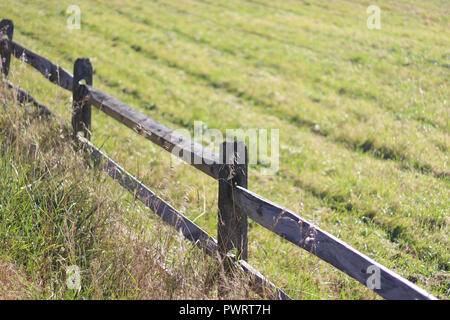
314,107
286,93
374,204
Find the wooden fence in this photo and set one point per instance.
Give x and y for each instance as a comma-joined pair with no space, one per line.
236,202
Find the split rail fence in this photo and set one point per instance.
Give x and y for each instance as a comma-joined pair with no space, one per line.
236,202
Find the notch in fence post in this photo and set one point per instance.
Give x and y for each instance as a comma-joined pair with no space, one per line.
81,113
6,28
232,221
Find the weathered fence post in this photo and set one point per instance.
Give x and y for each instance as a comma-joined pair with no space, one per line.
81,113
232,222
6,28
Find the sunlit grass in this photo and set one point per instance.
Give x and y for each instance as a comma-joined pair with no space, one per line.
363,115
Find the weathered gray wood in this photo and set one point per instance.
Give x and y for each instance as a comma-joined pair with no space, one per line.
327,247
6,29
231,222
81,108
177,220
52,72
186,149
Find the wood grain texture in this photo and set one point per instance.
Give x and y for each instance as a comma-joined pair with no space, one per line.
6,30
232,222
185,149
49,70
304,234
81,108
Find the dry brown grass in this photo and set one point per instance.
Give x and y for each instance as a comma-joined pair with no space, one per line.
13,282
85,219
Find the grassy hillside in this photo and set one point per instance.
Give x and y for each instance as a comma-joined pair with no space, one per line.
58,211
363,115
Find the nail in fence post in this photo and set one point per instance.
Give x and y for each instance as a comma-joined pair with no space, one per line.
232,222
6,28
81,113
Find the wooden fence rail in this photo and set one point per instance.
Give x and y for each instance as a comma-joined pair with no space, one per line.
187,150
236,202
306,235
260,284
49,70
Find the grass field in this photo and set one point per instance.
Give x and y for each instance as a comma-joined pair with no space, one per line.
363,115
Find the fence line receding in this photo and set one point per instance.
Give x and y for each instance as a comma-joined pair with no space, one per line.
236,202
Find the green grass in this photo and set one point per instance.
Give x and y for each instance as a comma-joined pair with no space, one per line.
58,211
363,115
